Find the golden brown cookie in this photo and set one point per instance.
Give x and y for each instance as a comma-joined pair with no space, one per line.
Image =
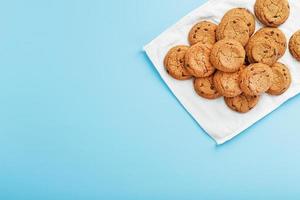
242,103
272,13
294,45
227,84
205,88
261,51
256,79
276,35
266,46
227,55
174,63
197,60
245,15
233,28
204,32
281,79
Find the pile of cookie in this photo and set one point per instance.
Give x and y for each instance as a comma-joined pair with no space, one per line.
233,61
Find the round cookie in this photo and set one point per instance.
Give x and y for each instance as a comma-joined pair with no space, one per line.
174,63
294,45
204,32
197,60
227,84
242,103
275,35
245,15
256,79
266,46
272,13
233,28
227,55
260,51
281,79
205,88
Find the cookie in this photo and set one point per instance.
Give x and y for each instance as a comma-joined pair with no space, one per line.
276,35
245,15
272,13
197,60
204,32
261,51
233,28
256,79
227,55
174,63
294,45
205,88
266,46
242,103
281,79
227,84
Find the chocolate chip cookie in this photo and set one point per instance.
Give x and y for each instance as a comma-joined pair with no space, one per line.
294,45
266,46
228,55
272,13
243,14
242,103
204,32
205,88
233,28
256,79
281,79
197,60
227,84
174,63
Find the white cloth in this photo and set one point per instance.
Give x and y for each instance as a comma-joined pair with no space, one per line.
215,117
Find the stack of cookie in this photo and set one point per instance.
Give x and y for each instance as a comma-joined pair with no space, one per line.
232,61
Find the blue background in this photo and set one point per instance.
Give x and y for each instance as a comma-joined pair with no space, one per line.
84,115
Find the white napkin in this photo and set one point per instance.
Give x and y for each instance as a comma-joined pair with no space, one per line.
221,123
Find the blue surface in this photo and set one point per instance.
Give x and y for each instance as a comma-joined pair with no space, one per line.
84,115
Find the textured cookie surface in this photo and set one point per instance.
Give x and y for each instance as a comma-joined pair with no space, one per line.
233,28
227,55
204,32
272,13
266,46
256,79
174,63
242,103
243,14
261,51
197,60
205,88
281,79
275,35
294,45
227,84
